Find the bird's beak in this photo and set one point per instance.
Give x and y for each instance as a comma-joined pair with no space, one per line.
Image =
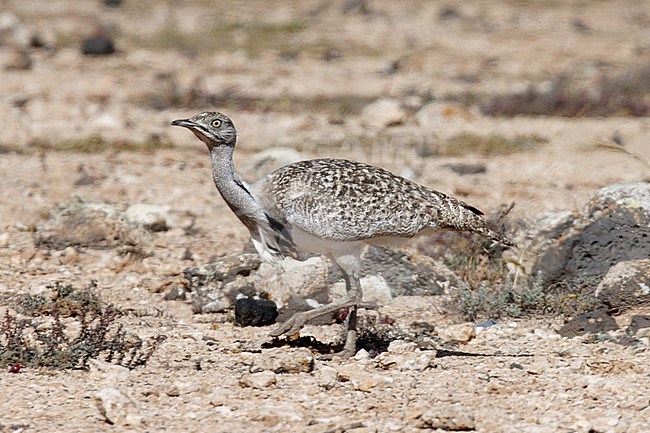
186,123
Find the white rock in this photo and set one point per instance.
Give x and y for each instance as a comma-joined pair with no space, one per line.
4,240
382,113
107,121
292,278
401,346
376,289
327,376
259,380
148,214
462,332
117,407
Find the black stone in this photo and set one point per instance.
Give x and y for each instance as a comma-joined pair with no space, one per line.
255,312
97,45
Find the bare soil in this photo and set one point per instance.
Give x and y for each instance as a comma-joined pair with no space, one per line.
297,74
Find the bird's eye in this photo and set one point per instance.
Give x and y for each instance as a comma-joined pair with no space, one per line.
216,123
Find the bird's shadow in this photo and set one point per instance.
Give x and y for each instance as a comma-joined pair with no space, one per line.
373,344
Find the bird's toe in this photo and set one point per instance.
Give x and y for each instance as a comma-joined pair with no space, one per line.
290,327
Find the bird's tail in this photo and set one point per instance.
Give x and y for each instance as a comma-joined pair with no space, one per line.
458,215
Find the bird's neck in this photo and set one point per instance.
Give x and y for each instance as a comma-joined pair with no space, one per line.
231,187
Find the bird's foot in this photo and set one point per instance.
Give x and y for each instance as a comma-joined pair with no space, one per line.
290,327
349,350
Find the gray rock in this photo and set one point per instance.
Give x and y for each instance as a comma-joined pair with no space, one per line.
89,224
117,407
97,45
593,322
613,227
406,274
638,322
627,284
214,287
383,113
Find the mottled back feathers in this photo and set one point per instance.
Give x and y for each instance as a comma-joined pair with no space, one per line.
343,200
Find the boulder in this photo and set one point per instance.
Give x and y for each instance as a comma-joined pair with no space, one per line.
614,227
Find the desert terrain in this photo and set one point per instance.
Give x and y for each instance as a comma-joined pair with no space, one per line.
532,103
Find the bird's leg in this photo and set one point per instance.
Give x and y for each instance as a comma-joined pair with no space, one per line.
350,300
353,288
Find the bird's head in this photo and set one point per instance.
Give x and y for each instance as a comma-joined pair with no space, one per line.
214,129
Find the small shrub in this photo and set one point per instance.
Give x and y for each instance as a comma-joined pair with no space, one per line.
80,328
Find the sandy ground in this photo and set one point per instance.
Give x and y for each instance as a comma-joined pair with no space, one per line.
525,377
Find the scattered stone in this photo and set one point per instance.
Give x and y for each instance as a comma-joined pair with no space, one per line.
383,113
327,376
259,380
100,44
306,279
282,360
627,284
173,390
216,275
213,287
614,227
375,290
436,420
593,322
117,407
69,256
203,304
152,217
411,360
88,224
255,312
176,293
363,380
402,346
461,333
4,240
638,323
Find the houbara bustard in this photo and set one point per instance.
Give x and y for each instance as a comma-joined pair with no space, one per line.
333,207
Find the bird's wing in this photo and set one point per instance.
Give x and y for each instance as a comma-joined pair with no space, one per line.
344,200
